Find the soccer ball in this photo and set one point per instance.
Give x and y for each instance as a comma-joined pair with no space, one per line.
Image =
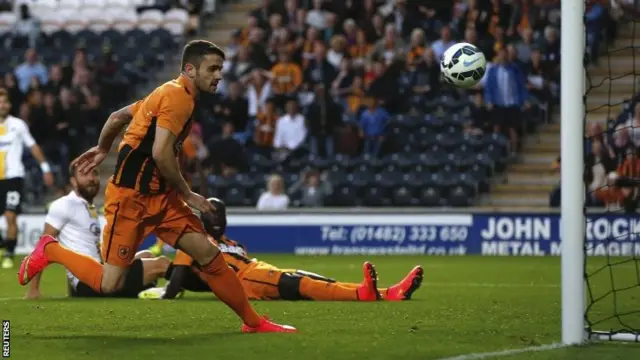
463,65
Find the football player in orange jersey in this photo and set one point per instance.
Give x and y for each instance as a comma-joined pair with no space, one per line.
263,281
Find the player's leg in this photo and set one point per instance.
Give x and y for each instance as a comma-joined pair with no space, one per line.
182,229
123,214
319,288
13,206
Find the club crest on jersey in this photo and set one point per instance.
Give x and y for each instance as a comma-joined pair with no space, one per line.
123,252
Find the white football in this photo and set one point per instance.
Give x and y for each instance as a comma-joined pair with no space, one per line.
463,65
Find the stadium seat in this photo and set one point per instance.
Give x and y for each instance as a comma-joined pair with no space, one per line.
429,196
459,196
403,196
123,21
376,196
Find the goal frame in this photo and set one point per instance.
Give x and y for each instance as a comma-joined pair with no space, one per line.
573,114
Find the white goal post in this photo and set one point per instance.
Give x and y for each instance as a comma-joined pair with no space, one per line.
572,115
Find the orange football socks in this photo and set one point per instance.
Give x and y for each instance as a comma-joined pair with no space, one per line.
224,283
325,291
85,268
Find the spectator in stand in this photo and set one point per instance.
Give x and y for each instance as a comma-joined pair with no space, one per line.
323,116
416,47
228,156
234,109
265,128
360,50
274,199
525,14
525,46
354,99
15,95
258,91
29,69
479,123
550,48
506,95
290,15
595,17
26,30
240,66
350,30
389,47
338,50
445,42
311,190
319,71
332,28
291,131
263,13
286,78
373,121
633,127
376,29
317,16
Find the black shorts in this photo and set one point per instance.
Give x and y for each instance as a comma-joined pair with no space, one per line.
11,191
133,285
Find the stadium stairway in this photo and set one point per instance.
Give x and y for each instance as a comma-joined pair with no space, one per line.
217,29
529,181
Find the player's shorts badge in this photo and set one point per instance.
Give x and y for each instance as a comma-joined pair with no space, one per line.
123,252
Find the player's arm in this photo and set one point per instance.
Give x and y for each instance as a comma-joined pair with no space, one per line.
114,125
174,286
33,292
171,120
30,143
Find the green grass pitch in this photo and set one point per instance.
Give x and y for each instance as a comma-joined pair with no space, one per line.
466,305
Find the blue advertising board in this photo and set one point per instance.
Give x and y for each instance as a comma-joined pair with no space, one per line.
498,234
430,234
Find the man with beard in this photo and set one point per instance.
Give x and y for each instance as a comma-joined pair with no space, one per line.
73,220
14,137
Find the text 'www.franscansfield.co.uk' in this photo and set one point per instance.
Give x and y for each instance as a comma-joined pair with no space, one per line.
6,339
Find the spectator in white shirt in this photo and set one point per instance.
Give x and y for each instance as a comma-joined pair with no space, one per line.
317,16
258,91
274,198
291,130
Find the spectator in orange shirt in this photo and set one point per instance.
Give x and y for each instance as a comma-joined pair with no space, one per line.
286,78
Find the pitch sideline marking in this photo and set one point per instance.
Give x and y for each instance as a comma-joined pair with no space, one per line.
508,352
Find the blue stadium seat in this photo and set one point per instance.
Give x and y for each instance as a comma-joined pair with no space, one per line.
403,196
459,196
376,196
430,196
344,195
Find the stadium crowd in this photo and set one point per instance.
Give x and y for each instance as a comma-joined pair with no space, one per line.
312,80
64,77
334,102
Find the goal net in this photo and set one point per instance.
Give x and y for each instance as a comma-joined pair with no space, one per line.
612,170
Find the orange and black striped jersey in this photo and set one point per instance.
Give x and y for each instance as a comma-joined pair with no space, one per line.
169,106
235,254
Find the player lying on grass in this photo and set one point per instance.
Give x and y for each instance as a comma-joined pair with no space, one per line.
73,220
263,281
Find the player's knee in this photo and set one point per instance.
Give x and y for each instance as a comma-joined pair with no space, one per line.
11,218
208,252
113,279
160,264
